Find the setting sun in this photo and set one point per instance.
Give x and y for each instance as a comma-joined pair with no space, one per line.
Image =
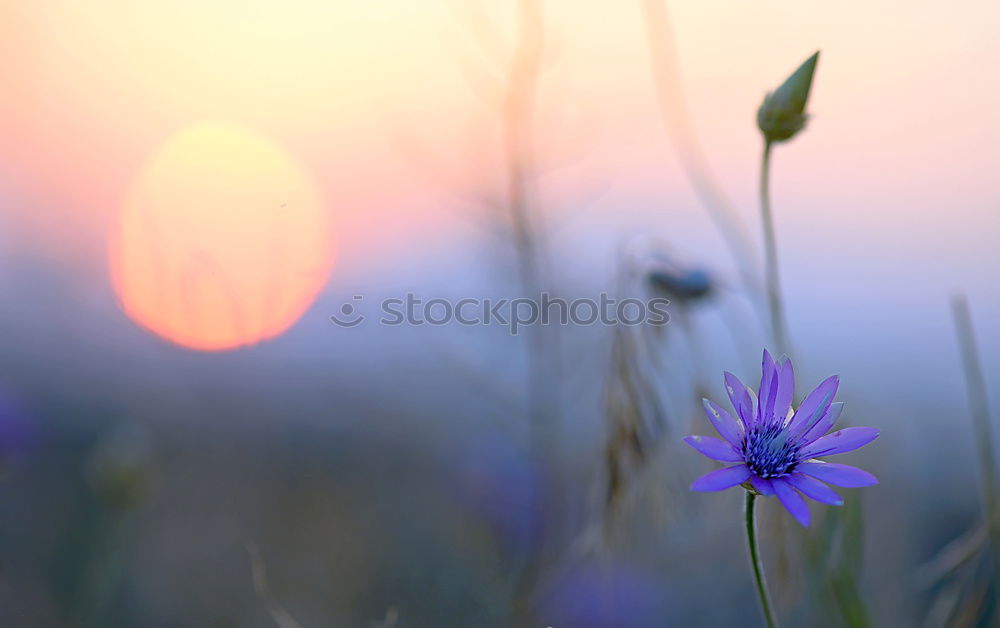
222,241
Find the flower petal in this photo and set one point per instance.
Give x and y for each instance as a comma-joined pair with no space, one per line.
786,390
721,479
838,474
768,389
753,404
823,426
739,396
814,406
841,441
763,486
714,448
814,489
724,423
791,500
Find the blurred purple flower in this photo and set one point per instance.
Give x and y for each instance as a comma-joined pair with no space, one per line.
603,597
501,485
17,432
777,448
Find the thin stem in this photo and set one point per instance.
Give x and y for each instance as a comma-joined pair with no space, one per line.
758,568
775,302
518,109
666,70
976,384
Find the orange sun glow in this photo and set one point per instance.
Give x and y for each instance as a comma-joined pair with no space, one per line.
222,240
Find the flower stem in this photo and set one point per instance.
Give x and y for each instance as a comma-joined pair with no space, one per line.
976,384
775,302
666,68
758,568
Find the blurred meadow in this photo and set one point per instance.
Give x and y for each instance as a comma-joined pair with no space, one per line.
189,190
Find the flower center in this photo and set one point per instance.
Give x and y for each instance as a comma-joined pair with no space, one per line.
768,453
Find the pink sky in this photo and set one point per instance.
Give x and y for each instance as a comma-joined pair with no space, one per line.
899,159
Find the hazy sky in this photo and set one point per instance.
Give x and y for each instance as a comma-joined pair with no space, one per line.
884,205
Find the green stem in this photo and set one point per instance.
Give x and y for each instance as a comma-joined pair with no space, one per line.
758,568
976,384
776,305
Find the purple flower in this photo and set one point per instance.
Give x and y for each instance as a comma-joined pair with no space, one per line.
503,487
18,433
777,448
604,596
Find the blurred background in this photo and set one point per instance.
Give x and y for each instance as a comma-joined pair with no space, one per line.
189,190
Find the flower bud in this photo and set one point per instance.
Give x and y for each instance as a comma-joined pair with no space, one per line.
682,284
782,114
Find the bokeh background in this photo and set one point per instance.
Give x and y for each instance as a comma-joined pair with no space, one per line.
188,191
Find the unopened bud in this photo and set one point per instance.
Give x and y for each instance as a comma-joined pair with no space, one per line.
682,284
783,112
